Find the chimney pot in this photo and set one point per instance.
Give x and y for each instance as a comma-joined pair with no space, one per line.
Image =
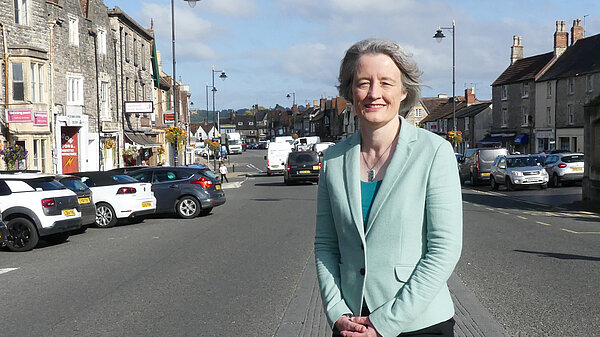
576,31
516,51
561,39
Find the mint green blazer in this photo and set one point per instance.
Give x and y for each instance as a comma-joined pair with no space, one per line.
400,261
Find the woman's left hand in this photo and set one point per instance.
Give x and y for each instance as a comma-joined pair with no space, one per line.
364,320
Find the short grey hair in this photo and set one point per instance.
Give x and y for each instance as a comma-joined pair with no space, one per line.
411,76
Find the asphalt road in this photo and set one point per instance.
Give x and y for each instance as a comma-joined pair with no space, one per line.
232,273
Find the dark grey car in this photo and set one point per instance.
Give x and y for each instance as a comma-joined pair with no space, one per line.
476,164
187,191
84,197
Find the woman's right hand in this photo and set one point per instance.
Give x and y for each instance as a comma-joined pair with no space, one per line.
344,324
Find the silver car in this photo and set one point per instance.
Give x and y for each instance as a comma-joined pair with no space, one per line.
564,167
517,170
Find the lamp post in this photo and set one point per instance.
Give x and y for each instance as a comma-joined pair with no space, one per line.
214,90
439,36
293,95
207,86
192,3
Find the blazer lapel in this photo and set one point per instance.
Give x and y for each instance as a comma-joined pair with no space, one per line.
352,181
393,173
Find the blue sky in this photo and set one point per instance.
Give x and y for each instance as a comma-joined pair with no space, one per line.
270,48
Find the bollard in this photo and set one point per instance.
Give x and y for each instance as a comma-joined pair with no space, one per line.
233,168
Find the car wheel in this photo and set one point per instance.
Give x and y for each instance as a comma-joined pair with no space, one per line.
268,173
509,185
24,235
105,215
205,211
493,184
57,238
188,207
555,180
543,186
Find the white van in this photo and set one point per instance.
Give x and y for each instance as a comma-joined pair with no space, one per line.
304,143
276,157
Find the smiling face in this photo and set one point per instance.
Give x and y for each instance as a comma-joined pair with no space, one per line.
377,89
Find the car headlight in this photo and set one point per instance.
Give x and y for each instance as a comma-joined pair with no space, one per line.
517,173
543,172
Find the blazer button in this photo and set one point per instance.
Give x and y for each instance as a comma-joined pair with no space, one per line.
362,271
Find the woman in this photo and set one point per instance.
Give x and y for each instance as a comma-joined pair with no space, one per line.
389,209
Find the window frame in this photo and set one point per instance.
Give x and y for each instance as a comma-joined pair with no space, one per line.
21,12
73,31
571,85
17,82
549,89
504,92
589,82
101,40
75,82
570,114
525,90
524,116
104,100
504,118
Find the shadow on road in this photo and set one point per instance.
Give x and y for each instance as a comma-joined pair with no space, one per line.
560,256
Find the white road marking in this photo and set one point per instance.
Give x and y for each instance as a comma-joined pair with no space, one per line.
6,270
543,223
521,217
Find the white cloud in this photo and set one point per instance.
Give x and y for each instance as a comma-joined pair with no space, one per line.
237,8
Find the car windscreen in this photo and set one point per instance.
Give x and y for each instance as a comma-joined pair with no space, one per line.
121,178
46,184
303,158
521,162
490,155
74,184
572,159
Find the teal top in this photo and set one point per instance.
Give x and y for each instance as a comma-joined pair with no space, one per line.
368,190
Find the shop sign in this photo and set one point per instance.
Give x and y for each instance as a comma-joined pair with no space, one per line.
69,149
40,118
18,115
169,118
139,107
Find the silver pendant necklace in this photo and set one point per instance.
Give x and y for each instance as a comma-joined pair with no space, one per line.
371,172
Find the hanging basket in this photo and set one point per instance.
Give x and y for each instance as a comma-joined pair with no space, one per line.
175,135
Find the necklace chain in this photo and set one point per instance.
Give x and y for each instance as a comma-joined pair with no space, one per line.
371,171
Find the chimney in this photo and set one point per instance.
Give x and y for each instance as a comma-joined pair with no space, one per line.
561,38
576,31
516,51
470,96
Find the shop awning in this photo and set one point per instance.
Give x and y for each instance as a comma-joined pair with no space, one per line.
522,139
141,139
490,141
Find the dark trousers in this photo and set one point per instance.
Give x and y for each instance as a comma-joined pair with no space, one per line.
445,329
224,176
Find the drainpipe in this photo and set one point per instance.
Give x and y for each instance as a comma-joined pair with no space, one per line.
5,56
117,100
122,93
53,129
95,36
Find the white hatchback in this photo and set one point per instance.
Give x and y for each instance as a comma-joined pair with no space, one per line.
118,196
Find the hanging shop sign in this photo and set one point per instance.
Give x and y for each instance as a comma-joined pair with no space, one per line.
18,115
169,118
142,107
40,118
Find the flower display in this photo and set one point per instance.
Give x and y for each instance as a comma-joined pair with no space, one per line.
455,137
12,154
161,150
109,144
175,135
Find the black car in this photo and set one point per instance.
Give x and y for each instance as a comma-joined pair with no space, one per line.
84,196
185,190
302,166
126,169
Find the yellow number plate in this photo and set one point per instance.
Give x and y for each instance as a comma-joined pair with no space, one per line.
578,169
305,171
84,200
68,212
485,174
218,187
315,167
146,204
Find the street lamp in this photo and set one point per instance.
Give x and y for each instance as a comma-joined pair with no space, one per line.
192,3
439,36
214,90
293,95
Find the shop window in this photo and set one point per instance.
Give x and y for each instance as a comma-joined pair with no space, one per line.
36,154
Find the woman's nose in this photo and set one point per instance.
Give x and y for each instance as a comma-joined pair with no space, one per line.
374,90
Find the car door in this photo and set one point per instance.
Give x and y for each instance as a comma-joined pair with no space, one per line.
501,171
549,164
167,188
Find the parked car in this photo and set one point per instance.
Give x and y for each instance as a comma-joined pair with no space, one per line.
118,196
477,163
84,197
557,151
185,190
517,170
126,169
564,167
35,206
302,166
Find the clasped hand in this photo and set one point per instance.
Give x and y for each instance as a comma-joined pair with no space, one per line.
356,327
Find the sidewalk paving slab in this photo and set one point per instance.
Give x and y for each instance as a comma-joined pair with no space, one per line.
304,315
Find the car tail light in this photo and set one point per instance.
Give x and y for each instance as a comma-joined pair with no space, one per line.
126,190
205,183
319,166
288,167
267,162
562,165
477,162
48,202
151,188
